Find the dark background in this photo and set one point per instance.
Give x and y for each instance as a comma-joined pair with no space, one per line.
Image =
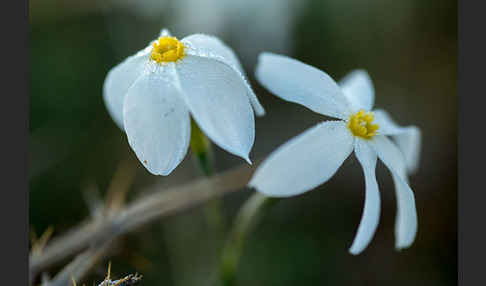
408,47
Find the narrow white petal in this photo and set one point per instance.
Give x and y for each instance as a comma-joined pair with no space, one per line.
212,47
406,220
407,138
117,82
297,82
358,89
371,212
305,161
157,124
164,33
217,98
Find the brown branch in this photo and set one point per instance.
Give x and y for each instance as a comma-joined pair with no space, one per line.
141,212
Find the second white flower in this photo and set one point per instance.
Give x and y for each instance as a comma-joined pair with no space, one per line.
314,156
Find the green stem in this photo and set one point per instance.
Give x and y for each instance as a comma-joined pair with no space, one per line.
203,155
245,221
201,149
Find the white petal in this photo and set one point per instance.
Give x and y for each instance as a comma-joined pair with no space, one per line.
371,212
305,161
216,96
358,89
406,220
164,33
211,44
157,124
212,47
297,82
117,82
407,138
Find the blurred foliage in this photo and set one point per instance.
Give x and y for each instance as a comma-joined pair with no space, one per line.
409,49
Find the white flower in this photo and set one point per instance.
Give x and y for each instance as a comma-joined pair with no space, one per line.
152,94
313,157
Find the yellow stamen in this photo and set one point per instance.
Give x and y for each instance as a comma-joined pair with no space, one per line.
361,124
167,49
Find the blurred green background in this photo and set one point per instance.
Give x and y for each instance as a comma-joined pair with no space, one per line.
408,47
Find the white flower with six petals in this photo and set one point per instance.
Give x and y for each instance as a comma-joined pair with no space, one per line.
152,94
312,158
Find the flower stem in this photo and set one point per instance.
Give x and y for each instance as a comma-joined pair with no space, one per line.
247,218
201,149
203,155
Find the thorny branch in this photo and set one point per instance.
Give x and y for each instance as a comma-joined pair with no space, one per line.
80,266
93,236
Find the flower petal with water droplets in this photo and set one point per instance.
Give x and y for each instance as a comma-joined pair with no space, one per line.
157,124
118,81
212,47
217,98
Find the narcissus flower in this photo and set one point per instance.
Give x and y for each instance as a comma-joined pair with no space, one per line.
313,157
152,94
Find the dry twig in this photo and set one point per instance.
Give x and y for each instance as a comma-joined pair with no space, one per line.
96,234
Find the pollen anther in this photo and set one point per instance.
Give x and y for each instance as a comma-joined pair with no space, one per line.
361,124
167,49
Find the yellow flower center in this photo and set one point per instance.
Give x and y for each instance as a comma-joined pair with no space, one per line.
167,49
361,125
